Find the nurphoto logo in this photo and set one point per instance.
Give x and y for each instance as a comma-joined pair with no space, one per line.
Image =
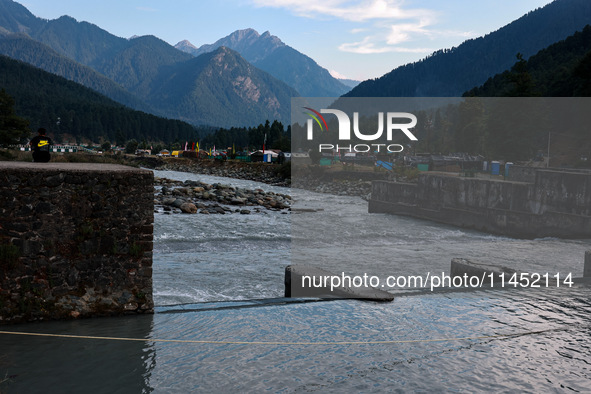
391,119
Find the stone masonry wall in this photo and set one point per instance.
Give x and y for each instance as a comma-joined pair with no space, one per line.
75,240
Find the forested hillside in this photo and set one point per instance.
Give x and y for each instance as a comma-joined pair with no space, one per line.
65,107
450,72
525,111
561,70
221,88
23,48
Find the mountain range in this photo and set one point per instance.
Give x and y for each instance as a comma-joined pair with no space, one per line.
270,54
146,73
246,78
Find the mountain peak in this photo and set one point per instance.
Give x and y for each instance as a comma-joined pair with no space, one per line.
67,18
248,42
270,54
249,32
240,39
184,45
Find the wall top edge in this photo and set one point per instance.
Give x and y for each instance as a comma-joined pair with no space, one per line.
69,167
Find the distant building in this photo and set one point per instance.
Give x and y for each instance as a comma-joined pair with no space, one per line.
55,148
301,158
267,156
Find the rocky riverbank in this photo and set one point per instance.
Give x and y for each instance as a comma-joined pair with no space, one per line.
271,174
340,187
335,181
194,197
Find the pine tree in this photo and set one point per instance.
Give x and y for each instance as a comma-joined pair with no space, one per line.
13,129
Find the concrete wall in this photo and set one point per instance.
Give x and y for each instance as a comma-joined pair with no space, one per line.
556,204
528,174
522,174
568,192
75,240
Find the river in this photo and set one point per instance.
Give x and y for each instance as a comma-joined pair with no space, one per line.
220,325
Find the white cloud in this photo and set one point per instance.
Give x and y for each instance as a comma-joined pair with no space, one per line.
356,11
404,32
386,23
365,47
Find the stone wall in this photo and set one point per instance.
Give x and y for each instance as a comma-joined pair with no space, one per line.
556,204
75,240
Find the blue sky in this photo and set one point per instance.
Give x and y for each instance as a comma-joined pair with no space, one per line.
358,39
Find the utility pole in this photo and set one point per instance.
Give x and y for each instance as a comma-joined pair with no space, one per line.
548,162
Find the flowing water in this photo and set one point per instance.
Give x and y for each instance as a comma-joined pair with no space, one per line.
213,273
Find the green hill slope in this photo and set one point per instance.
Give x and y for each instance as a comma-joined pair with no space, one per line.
450,72
65,107
561,70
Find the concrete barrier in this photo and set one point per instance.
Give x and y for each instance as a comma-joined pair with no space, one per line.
304,281
494,276
467,268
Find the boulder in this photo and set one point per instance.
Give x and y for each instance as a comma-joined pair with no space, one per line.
237,201
188,207
177,203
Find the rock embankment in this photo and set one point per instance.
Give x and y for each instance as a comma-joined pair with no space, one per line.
346,187
193,197
349,183
259,172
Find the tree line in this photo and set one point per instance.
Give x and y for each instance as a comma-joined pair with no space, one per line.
272,135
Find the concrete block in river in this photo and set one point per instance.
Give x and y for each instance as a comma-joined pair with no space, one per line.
488,273
305,281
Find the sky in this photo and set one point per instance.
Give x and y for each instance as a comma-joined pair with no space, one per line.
354,39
